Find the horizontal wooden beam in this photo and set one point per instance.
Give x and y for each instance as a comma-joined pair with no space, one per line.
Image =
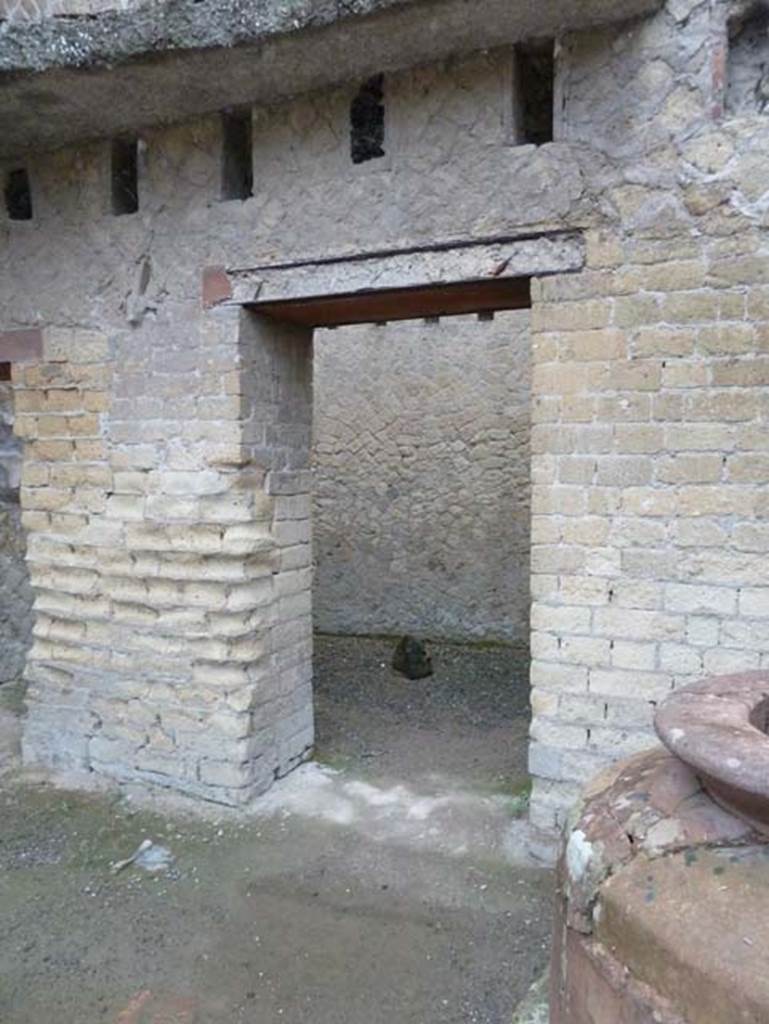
400,303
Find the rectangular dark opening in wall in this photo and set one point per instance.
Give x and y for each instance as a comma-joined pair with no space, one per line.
237,155
5,371
125,176
367,121
535,91
18,195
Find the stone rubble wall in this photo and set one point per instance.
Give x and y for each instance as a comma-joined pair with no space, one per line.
37,10
15,591
158,574
422,478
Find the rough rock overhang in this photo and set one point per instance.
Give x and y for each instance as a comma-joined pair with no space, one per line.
68,79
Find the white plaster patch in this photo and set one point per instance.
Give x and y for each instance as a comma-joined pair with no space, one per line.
456,822
579,852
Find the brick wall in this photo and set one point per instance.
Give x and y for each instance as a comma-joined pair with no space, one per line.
649,525
173,632
650,508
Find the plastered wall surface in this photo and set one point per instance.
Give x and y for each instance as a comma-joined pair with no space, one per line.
15,591
649,405
421,478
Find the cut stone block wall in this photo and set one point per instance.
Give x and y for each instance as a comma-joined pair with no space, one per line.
421,483
15,592
649,437
172,639
650,500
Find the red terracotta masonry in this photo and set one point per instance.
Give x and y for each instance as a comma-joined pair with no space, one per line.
216,287
21,346
663,884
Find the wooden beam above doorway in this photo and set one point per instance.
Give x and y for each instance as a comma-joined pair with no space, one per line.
400,303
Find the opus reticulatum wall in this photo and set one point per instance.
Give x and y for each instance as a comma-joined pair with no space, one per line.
422,477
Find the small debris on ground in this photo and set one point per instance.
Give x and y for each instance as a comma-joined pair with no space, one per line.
149,856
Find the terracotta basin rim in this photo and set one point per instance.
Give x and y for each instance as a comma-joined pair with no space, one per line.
719,728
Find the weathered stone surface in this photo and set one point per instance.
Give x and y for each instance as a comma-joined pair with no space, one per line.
554,253
238,52
162,447
533,1009
694,925
410,512
649,805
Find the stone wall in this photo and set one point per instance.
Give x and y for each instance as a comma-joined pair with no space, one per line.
650,458
15,591
649,403
36,10
422,478
164,494
173,631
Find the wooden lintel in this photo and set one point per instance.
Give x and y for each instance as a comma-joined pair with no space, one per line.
400,303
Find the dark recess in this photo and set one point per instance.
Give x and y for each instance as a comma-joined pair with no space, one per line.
367,121
535,90
748,68
18,195
237,155
5,371
125,176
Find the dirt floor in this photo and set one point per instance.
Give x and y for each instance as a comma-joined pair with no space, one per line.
467,723
374,885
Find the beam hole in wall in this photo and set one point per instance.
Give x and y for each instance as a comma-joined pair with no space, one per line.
534,92
237,155
747,89
18,195
124,176
367,121
5,371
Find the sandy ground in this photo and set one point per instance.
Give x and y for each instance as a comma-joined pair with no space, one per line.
372,886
